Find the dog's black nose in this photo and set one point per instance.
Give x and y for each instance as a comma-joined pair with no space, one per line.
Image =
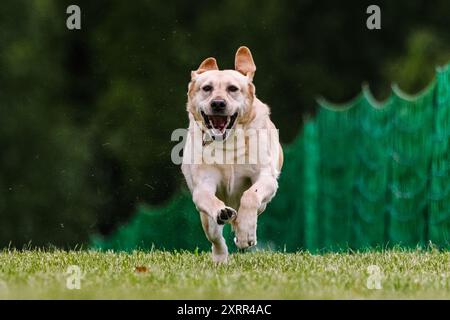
218,105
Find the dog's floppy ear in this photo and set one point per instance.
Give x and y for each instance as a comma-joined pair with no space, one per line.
244,63
207,64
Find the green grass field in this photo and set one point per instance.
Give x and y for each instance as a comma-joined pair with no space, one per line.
254,275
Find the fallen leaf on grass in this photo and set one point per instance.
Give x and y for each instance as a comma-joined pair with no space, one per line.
141,269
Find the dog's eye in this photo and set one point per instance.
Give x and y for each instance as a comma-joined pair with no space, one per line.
207,88
232,88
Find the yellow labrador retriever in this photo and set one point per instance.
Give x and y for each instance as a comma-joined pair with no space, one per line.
223,111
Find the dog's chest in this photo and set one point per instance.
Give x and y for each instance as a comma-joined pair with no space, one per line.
235,180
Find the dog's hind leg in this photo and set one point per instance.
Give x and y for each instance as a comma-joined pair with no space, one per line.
213,232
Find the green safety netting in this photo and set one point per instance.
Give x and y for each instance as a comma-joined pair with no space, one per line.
366,174
439,185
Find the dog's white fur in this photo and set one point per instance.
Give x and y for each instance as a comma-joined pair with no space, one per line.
218,188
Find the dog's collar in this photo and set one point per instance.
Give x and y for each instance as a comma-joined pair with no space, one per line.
207,138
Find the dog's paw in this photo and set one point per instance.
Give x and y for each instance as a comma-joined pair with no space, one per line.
245,235
220,258
226,215
245,242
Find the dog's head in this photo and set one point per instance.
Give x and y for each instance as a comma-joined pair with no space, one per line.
218,99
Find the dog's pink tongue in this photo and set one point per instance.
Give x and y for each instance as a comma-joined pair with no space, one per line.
219,122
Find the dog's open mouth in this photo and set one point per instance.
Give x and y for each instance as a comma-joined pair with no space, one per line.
219,126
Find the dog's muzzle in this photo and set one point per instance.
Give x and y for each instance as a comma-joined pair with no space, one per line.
219,126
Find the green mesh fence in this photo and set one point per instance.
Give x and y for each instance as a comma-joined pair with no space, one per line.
372,171
366,174
439,184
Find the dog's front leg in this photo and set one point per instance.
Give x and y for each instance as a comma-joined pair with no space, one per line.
213,232
206,201
213,214
253,202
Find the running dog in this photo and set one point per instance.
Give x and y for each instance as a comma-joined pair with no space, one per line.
222,104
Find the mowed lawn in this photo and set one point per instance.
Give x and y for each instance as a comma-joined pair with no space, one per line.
253,275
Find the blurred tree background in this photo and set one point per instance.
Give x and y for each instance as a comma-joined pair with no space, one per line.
86,116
